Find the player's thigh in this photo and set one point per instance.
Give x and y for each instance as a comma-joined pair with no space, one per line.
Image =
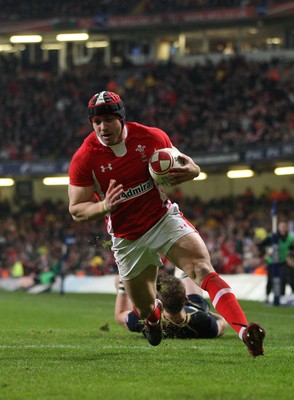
191,255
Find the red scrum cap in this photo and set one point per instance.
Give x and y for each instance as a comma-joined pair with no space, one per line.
105,103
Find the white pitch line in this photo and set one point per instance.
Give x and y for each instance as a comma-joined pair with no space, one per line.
110,347
63,346
106,347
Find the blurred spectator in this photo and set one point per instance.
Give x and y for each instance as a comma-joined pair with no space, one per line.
290,264
231,262
285,245
31,9
17,269
34,235
201,111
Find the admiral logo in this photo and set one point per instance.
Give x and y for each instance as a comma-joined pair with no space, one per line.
138,190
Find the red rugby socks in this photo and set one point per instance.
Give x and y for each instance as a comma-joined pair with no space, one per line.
225,302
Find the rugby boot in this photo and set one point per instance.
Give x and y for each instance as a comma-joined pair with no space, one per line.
253,337
153,330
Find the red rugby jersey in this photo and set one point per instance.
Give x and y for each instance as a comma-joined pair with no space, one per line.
95,164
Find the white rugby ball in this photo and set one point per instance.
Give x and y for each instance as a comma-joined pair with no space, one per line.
160,163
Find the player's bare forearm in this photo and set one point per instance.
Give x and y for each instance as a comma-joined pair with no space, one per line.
88,211
82,204
83,207
186,173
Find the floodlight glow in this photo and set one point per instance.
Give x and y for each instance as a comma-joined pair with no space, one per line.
274,40
26,39
201,177
240,173
98,44
51,46
72,37
6,47
56,180
284,170
6,182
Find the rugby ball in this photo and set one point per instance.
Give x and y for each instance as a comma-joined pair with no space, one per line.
160,163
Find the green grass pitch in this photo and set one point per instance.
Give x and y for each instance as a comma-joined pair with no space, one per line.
69,347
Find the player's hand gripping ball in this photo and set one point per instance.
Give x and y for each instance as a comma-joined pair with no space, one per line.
160,163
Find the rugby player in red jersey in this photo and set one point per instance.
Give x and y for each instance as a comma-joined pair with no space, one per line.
112,166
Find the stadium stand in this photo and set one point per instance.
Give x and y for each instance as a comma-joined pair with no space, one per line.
34,235
233,104
31,9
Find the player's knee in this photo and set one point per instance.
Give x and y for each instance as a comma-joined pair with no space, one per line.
198,270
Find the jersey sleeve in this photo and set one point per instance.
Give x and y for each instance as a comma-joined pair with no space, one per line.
206,325
195,300
79,171
160,139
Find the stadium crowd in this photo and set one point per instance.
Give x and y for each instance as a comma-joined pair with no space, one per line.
208,108
32,9
33,237
204,108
